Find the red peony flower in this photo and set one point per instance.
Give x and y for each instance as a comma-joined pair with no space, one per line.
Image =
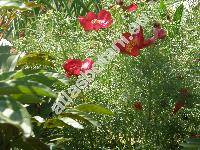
76,66
178,106
95,22
136,42
137,105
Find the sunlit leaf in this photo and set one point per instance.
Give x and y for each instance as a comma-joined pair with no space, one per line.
94,108
25,87
14,113
80,116
16,4
72,122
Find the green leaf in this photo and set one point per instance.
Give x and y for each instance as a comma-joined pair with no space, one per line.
94,108
6,75
178,14
80,116
54,123
177,20
39,119
72,122
46,78
62,122
5,49
162,9
8,61
36,59
25,87
26,98
3,59
16,4
14,113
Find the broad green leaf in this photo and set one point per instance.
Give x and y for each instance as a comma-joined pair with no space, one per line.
94,108
62,122
26,99
3,59
39,119
16,4
46,78
25,87
15,114
36,59
72,122
80,116
5,49
54,123
8,61
6,75
24,72
19,74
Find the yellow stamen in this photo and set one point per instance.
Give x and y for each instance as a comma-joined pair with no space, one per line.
130,45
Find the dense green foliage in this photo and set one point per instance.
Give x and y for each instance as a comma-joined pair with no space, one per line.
165,73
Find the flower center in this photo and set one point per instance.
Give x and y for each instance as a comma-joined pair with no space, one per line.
130,45
96,21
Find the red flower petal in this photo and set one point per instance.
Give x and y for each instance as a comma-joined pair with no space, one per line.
137,41
140,37
135,52
87,64
86,21
72,67
148,42
95,22
82,20
159,33
132,7
88,26
134,45
105,18
91,15
127,35
96,27
104,15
